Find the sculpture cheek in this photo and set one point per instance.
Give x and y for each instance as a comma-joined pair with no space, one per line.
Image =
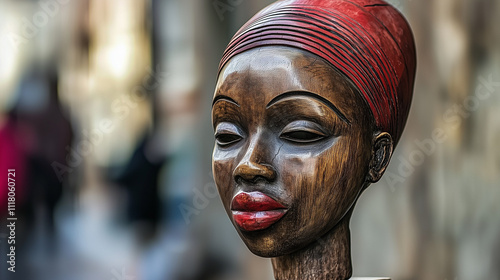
222,174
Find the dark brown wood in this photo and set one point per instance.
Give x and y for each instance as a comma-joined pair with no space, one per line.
328,258
296,144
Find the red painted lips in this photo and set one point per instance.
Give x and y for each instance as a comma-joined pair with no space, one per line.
256,211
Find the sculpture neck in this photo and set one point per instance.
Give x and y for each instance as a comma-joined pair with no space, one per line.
329,258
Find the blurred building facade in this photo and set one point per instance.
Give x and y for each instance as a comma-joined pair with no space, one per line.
135,80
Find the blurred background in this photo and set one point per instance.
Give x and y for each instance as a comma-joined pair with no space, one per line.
105,115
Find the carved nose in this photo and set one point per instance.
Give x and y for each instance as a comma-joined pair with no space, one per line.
251,172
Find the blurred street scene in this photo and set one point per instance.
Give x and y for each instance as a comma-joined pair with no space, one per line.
105,116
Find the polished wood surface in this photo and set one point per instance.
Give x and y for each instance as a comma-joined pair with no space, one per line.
296,144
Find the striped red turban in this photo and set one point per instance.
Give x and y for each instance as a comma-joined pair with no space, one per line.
369,41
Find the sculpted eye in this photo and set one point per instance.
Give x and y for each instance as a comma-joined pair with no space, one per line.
303,132
227,134
227,139
301,136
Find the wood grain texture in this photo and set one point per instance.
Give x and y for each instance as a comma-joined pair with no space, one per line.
311,98
328,258
369,41
294,135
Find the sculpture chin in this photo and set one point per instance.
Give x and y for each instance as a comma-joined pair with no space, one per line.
267,244
272,249
265,253
275,242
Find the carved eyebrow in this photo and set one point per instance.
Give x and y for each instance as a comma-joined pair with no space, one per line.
225,98
313,95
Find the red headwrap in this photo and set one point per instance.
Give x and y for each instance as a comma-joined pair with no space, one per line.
367,40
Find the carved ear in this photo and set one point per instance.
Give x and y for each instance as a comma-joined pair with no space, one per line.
381,155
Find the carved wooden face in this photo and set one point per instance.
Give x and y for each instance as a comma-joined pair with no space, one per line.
294,141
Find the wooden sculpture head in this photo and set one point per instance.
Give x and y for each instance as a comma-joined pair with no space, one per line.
306,112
